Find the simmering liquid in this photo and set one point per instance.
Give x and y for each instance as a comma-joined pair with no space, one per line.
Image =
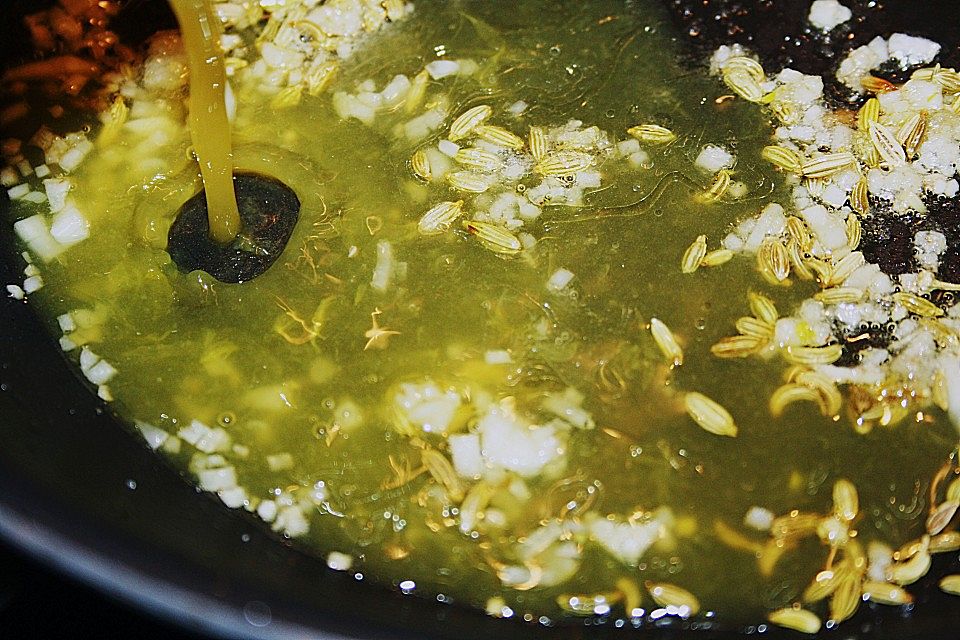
477,409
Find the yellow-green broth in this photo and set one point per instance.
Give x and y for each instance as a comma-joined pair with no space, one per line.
189,348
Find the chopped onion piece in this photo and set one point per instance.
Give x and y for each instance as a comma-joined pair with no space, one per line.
33,231
467,458
87,359
100,373
498,356
442,68
217,479
291,522
19,191
234,497
66,322
204,438
56,190
33,283
267,510
280,461
154,436
383,271
559,280
339,561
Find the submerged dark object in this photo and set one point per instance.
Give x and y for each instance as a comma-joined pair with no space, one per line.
269,211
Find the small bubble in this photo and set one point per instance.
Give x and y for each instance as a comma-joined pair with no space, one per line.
555,50
700,323
131,484
610,113
226,418
245,537
258,613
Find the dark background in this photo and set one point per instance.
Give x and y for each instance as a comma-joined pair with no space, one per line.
36,602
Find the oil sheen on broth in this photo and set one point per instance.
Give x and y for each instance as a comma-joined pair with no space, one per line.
331,372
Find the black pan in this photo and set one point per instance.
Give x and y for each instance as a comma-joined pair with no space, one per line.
80,493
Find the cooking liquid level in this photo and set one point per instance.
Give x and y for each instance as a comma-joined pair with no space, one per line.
303,366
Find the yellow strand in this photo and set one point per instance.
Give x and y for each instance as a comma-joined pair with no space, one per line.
209,125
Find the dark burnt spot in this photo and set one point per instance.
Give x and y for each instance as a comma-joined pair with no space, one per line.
887,240
950,264
779,32
870,336
888,237
943,299
943,215
892,73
